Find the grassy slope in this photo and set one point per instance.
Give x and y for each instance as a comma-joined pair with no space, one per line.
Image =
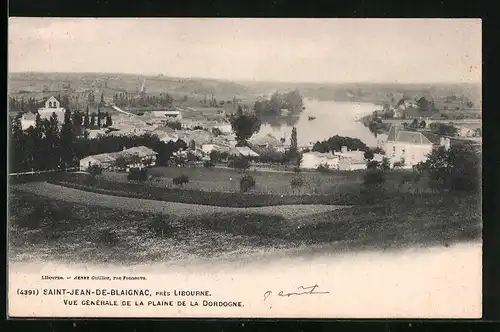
45,229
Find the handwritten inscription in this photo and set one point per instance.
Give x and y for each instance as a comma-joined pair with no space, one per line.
309,290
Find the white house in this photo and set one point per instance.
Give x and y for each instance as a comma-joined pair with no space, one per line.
170,115
411,146
351,164
52,105
311,160
207,148
108,160
354,154
28,120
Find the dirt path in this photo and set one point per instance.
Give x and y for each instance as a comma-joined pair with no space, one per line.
152,206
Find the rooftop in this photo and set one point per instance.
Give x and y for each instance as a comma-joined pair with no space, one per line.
398,135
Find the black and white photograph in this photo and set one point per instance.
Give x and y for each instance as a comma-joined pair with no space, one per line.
244,167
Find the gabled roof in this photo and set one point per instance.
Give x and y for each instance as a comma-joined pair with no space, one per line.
245,151
103,157
398,135
140,151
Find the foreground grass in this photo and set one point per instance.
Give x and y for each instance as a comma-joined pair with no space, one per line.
45,229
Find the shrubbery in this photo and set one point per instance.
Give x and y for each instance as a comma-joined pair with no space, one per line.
239,162
297,182
208,163
136,174
181,180
95,170
323,168
247,182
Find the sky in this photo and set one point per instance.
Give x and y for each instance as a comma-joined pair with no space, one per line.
294,50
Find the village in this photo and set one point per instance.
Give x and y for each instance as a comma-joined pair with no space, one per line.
209,131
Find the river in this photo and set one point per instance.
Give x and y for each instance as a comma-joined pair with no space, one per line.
332,118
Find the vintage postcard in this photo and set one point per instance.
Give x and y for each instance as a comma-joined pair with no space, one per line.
257,168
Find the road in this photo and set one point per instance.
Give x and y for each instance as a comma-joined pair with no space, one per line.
153,206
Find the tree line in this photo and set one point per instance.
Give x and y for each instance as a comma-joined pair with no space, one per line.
128,100
291,101
49,145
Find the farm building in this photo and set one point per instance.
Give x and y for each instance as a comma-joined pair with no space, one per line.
135,157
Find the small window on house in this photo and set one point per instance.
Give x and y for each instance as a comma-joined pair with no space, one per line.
403,151
50,104
393,148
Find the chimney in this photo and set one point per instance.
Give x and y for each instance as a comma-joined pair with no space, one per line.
124,148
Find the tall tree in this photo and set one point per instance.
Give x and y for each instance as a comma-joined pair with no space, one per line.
67,137
98,117
87,118
102,99
293,141
244,126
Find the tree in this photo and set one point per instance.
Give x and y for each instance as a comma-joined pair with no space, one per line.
192,145
247,182
240,163
374,179
293,141
414,124
181,180
444,129
385,165
423,104
296,182
67,138
94,170
335,143
86,122
244,126
98,117
398,164
102,100
456,169
422,124
121,163
368,155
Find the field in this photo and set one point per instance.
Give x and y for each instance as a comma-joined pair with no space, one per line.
43,228
279,183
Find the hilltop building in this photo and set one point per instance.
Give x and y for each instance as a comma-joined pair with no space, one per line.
52,105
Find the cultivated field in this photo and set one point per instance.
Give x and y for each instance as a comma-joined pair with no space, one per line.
227,180
55,224
160,207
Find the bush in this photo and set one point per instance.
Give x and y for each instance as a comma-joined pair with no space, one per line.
94,170
108,237
297,182
136,174
161,226
374,179
208,163
323,168
247,182
239,162
398,164
181,180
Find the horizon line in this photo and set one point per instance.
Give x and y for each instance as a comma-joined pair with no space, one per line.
241,80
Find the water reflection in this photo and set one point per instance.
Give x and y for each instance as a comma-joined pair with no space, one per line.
331,118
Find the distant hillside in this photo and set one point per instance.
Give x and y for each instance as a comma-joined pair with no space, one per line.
197,88
177,87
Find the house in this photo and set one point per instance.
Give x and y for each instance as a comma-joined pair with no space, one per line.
94,133
170,115
411,146
103,160
351,164
243,151
353,154
311,160
267,141
168,138
463,131
137,157
28,120
284,111
207,148
52,105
